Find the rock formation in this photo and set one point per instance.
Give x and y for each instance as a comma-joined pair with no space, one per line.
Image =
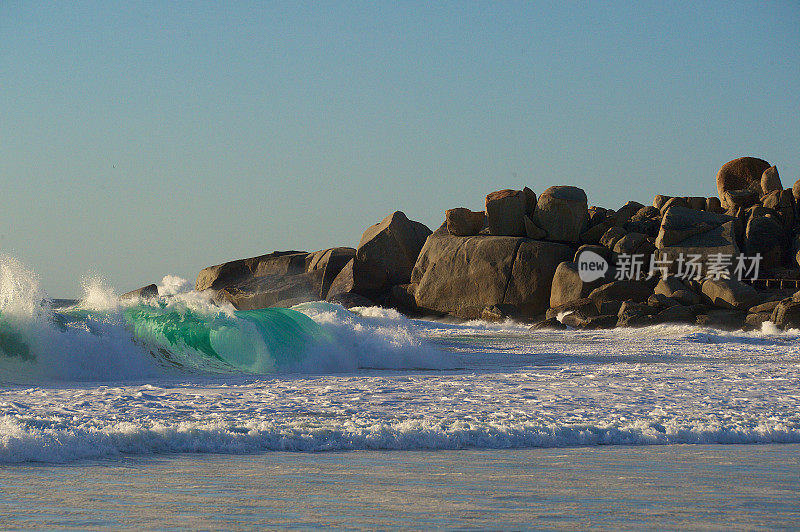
553,258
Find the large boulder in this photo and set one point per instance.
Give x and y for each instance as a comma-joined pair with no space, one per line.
674,202
350,300
699,235
612,236
530,201
681,223
568,285
282,278
647,220
626,212
462,276
741,173
596,232
629,243
272,291
637,291
331,261
714,204
505,212
766,237
781,201
786,314
363,278
464,222
392,246
229,273
562,211
675,289
676,314
730,294
770,180
726,319
735,199
533,231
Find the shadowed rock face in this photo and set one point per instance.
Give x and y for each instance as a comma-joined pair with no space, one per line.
786,314
739,174
681,223
730,294
505,212
562,211
686,232
568,285
766,237
283,278
144,292
770,180
229,273
463,275
393,245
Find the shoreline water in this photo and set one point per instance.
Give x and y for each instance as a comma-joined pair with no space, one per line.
655,487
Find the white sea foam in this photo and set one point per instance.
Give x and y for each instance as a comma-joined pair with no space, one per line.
101,346
171,285
369,338
387,383
98,294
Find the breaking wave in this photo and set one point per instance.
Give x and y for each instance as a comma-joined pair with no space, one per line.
101,338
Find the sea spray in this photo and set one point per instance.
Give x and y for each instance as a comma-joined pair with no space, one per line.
102,338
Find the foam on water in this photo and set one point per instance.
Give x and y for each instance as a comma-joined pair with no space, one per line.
103,338
375,380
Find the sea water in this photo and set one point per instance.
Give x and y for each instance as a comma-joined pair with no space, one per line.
321,407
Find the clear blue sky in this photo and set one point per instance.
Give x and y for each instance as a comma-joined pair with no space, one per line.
140,139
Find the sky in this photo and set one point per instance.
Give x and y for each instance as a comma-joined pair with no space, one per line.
142,139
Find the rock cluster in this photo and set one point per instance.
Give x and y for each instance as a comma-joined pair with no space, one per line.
522,258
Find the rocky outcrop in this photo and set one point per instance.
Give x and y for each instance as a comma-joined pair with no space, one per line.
562,211
680,224
282,278
330,262
518,259
229,273
461,276
272,291
739,174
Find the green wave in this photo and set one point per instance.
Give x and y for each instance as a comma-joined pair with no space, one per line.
252,340
258,341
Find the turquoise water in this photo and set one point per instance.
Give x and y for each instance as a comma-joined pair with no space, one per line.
257,341
717,487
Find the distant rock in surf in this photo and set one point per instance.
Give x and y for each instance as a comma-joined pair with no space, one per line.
145,292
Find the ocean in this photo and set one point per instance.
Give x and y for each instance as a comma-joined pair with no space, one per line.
178,414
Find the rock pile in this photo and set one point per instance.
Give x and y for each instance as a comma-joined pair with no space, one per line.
556,261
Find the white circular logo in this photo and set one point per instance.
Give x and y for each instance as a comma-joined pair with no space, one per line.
591,266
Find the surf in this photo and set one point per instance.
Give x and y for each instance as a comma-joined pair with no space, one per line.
104,338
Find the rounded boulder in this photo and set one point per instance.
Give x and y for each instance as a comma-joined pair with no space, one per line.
739,174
